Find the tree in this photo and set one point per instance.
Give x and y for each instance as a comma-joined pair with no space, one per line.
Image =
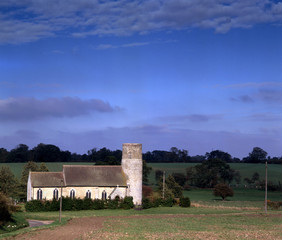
43,168
19,154
146,171
217,154
180,178
209,173
258,155
174,186
8,181
158,175
223,190
5,214
3,155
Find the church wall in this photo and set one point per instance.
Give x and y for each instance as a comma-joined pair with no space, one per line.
80,192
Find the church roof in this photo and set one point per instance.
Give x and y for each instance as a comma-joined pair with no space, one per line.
46,179
85,175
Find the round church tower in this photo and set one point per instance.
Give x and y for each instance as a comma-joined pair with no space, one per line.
132,166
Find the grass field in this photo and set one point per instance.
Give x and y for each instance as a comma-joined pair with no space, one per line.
245,169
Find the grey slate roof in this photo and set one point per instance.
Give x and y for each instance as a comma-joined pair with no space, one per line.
46,179
80,175
85,175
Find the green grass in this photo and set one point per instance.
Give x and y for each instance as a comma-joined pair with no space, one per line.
245,169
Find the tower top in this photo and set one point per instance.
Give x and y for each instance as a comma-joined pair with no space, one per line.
132,151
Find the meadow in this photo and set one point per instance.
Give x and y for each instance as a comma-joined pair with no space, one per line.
245,169
240,217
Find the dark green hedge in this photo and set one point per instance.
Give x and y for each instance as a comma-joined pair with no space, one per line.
77,204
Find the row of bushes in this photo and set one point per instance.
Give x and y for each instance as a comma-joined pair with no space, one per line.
169,202
77,204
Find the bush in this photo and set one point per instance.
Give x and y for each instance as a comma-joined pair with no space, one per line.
157,202
34,206
167,202
223,190
5,214
185,202
98,204
113,204
274,205
146,203
127,203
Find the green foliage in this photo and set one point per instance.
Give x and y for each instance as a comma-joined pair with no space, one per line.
8,181
126,203
34,206
174,187
258,155
112,204
146,171
146,203
223,190
185,202
5,214
210,173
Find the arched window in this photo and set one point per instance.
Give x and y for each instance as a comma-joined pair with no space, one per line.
56,194
88,194
39,194
104,195
72,194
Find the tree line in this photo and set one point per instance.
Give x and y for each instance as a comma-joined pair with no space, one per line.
51,153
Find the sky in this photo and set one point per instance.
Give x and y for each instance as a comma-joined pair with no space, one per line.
199,75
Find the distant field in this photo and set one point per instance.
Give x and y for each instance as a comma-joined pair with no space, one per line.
246,169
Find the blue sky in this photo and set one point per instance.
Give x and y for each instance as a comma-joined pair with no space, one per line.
199,75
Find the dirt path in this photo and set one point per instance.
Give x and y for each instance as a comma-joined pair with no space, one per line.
83,228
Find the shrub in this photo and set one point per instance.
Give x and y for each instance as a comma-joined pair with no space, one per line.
146,203
127,203
146,191
156,202
274,205
167,202
34,206
113,204
98,204
222,190
185,202
5,214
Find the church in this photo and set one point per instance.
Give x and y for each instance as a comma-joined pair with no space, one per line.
90,181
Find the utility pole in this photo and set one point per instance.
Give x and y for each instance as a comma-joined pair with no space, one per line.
163,184
265,200
60,214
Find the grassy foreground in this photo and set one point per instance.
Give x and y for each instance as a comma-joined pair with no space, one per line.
204,220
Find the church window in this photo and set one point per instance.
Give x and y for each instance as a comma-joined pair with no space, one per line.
72,194
56,194
88,194
39,194
104,195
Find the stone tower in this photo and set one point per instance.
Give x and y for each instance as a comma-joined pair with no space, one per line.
132,166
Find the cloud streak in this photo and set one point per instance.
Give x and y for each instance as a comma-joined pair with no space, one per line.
26,21
22,109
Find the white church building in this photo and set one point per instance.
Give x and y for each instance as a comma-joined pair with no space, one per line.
90,181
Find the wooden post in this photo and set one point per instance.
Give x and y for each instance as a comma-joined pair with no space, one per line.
265,199
60,214
163,184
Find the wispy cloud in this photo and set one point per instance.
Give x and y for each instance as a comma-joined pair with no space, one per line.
252,85
243,98
191,118
25,21
21,109
110,46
